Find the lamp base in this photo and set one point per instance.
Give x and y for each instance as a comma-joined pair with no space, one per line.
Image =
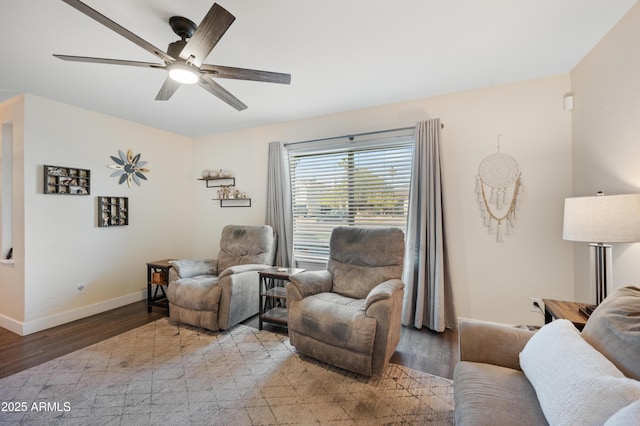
587,310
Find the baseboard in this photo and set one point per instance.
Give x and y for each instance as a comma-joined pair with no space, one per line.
11,325
40,324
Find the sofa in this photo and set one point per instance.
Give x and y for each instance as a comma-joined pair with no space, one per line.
217,294
556,375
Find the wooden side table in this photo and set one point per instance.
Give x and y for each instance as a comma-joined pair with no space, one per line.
560,309
158,277
273,295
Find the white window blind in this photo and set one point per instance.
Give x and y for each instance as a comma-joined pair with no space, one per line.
363,182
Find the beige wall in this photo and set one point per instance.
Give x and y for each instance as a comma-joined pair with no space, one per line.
606,136
60,244
560,153
12,273
492,281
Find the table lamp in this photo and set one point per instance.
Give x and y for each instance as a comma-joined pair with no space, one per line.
599,220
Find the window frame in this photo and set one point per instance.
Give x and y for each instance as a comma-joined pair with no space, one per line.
392,143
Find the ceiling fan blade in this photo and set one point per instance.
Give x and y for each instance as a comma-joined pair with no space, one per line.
220,92
209,32
246,74
119,29
167,90
108,61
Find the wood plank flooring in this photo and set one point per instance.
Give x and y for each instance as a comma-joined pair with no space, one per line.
422,350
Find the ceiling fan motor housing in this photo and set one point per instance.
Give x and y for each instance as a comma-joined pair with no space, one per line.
175,48
182,26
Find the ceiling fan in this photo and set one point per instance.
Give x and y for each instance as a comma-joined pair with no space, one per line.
184,58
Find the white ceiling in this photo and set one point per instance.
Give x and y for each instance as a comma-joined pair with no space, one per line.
342,54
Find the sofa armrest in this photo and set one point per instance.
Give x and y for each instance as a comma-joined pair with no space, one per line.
383,291
173,275
238,269
307,283
188,268
488,343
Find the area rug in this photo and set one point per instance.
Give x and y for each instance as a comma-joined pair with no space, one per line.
162,374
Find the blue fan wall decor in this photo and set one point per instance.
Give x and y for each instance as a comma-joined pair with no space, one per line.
128,168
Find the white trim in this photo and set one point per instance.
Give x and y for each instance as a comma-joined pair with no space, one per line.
11,325
484,321
7,262
40,324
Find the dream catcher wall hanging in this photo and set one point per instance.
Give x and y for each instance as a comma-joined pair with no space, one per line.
499,188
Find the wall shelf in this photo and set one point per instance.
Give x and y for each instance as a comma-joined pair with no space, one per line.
113,211
227,185
234,202
66,180
219,181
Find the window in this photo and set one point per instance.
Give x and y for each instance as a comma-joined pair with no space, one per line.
361,182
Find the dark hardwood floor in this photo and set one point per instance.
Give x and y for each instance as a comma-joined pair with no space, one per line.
422,350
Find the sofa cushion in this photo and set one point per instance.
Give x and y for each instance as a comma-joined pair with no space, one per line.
614,330
575,384
335,320
486,394
197,293
360,258
192,267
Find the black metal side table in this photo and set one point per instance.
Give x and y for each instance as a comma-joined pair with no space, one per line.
157,280
273,295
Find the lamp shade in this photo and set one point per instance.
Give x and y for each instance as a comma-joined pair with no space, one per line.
602,219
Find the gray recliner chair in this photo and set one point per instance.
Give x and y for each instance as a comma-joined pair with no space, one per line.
349,315
219,293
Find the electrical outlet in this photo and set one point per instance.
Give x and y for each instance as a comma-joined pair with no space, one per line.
539,307
80,288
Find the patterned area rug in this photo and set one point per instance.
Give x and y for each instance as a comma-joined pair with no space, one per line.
162,374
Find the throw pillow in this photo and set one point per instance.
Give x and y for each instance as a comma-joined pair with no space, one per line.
575,384
628,416
614,330
192,268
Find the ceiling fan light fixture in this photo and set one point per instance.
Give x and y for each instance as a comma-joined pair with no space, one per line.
183,73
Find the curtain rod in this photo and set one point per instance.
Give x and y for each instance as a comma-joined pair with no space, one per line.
351,137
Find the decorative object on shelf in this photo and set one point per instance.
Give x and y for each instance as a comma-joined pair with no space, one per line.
113,211
227,192
225,173
66,180
214,174
499,188
129,168
206,174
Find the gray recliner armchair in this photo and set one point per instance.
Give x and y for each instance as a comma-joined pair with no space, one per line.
219,293
349,315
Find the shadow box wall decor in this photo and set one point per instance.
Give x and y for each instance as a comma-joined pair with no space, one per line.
66,180
113,211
